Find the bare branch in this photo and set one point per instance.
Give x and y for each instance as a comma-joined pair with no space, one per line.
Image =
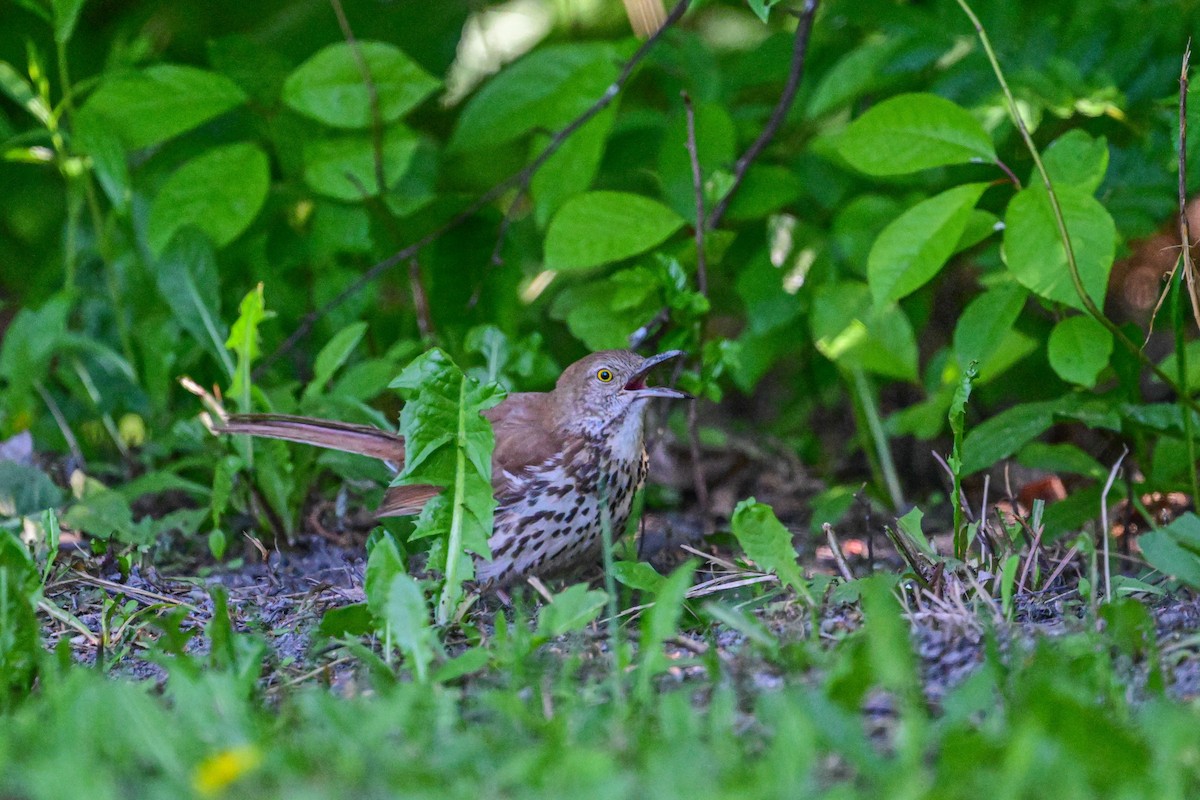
795,73
372,92
698,482
518,180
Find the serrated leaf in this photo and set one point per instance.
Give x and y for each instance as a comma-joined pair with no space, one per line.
912,132
329,86
152,105
601,227
768,543
1034,252
916,245
449,443
544,90
1079,349
219,192
245,342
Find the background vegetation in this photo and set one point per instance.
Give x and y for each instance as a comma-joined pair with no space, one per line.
846,229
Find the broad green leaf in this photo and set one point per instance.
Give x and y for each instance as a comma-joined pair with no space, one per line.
849,329
912,132
571,610
572,167
860,70
768,543
1005,433
912,524
17,87
343,166
21,648
25,490
985,323
1034,252
105,514
333,355
1061,457
603,313
407,618
1170,364
186,275
1077,160
219,193
383,564
546,89
329,87
915,246
245,342
152,105
601,227
1079,349
1175,549
449,444
980,225
109,165
766,189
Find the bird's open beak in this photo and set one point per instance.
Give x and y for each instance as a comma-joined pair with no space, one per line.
637,383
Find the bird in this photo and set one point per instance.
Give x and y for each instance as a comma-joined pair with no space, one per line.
559,457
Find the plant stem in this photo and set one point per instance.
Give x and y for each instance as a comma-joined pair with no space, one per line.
887,466
1072,266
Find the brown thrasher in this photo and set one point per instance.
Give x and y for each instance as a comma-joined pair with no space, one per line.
557,455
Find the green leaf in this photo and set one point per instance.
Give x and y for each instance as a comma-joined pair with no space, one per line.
716,148
911,524
1060,458
1077,160
105,514
219,192
544,90
25,490
449,444
1175,549
66,15
638,575
21,647
603,313
601,227
985,323
661,622
30,341
329,87
1034,252
1002,435
245,342
912,132
768,543
187,279
343,167
18,89
152,105
915,246
407,618
333,355
849,329
1079,349
383,564
572,167
571,610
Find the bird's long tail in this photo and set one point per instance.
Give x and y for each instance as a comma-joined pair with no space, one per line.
362,439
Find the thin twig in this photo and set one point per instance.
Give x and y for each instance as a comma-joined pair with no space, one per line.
1056,209
1104,532
372,93
517,179
795,73
420,299
60,419
836,547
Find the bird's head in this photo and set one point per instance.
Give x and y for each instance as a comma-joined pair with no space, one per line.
605,387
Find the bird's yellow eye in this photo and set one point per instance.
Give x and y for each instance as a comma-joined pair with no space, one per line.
604,375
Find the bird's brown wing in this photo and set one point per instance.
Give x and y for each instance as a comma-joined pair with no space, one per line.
526,437
364,440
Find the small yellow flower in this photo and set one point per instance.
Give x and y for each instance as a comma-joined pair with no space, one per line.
215,773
